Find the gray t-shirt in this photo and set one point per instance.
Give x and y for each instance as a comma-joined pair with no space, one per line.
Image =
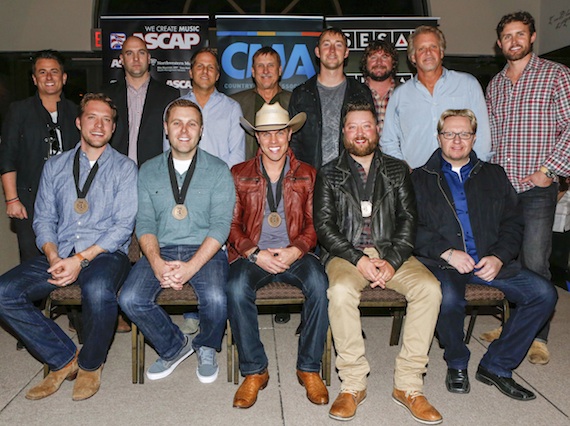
331,107
274,237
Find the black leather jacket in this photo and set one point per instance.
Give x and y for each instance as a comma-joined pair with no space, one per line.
494,213
338,217
306,143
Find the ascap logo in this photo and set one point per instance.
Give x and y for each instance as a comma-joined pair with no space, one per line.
170,41
180,84
299,61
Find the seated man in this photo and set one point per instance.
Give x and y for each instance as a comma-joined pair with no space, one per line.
365,217
470,231
84,216
186,199
270,239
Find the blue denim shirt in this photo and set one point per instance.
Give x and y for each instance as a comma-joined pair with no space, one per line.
410,125
112,199
223,135
210,202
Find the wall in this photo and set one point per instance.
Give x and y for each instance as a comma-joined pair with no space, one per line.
30,25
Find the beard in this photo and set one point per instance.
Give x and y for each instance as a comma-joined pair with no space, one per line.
517,55
380,76
361,150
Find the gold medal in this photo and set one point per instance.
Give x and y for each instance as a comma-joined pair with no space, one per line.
274,220
366,207
81,205
179,211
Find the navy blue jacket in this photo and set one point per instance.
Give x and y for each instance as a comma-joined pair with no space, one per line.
494,214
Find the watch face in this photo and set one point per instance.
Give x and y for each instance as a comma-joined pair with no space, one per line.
84,263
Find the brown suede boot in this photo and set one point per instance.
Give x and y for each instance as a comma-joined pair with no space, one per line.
52,382
87,384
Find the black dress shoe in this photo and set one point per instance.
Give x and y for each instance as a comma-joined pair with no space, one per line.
457,381
505,384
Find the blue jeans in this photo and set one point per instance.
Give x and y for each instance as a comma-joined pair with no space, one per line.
538,206
245,279
535,298
45,340
138,301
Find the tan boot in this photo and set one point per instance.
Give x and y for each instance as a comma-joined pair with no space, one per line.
87,384
418,406
52,382
538,353
345,405
491,335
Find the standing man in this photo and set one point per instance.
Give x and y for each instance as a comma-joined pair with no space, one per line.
186,200
365,217
470,231
141,101
266,71
529,110
410,130
322,98
379,65
222,136
270,240
86,211
34,130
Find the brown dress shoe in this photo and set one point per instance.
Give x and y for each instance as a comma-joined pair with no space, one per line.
344,407
87,384
491,335
123,325
316,390
246,394
418,406
538,353
52,382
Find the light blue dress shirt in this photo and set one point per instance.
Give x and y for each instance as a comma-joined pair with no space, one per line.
112,199
410,125
223,136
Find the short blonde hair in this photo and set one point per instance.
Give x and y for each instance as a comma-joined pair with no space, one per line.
467,113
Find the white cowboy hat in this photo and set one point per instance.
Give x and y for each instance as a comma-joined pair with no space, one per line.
273,117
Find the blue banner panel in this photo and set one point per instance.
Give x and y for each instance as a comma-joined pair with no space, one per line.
293,37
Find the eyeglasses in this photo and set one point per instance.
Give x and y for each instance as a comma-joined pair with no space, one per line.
464,136
53,140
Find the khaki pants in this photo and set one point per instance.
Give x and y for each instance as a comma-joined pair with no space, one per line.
423,294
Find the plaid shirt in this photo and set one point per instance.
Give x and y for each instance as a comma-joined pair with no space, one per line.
530,120
380,103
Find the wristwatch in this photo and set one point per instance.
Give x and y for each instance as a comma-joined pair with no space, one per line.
253,256
84,263
547,172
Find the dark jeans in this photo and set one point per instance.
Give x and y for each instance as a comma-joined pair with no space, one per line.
99,283
245,279
138,301
538,206
535,298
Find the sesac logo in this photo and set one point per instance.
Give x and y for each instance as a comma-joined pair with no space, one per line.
298,63
170,41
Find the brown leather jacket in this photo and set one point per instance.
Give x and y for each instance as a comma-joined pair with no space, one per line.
251,190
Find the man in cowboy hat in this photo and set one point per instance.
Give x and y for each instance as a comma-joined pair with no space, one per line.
270,240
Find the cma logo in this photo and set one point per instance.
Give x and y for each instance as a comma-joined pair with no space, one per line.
298,63
170,41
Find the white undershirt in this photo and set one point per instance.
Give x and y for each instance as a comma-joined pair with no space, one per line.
181,166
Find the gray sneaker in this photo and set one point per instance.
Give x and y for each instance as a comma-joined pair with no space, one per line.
207,370
162,368
190,326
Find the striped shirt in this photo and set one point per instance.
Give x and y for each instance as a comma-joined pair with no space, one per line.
381,102
530,120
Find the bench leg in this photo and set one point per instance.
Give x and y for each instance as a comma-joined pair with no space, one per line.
396,326
134,353
141,357
327,357
471,325
229,348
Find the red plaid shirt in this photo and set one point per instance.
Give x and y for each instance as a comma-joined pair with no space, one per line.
530,120
380,103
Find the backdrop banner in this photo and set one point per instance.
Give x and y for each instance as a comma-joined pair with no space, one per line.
239,37
170,41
